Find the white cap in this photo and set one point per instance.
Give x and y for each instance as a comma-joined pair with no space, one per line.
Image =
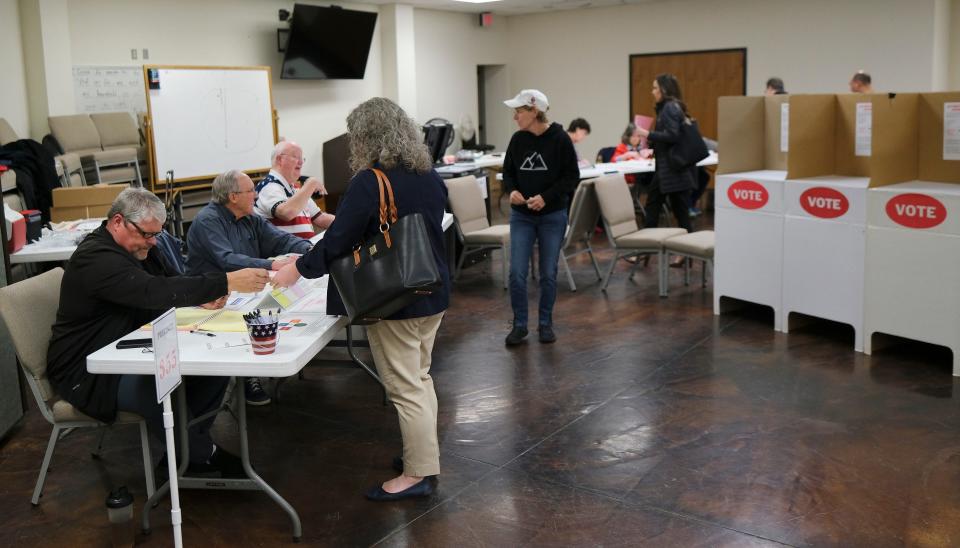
529,98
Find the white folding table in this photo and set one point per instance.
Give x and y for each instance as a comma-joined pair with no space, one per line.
229,354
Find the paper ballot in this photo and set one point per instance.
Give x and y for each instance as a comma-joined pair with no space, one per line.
864,136
784,127
951,131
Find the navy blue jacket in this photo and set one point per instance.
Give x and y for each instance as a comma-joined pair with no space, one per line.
358,218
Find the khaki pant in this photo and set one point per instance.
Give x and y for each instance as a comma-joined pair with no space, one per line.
401,351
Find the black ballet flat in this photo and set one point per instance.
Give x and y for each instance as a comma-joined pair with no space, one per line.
424,488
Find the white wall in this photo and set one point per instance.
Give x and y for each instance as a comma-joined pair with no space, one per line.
499,118
13,92
580,58
954,60
224,33
449,47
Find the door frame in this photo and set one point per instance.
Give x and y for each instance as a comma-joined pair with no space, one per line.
693,52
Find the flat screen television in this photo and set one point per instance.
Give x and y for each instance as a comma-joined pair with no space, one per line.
327,43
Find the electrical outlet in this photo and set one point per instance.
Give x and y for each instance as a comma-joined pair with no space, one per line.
133,54
146,54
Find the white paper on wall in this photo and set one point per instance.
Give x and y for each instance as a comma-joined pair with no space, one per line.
951,131
784,127
108,89
864,136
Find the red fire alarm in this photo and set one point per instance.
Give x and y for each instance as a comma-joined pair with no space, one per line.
486,19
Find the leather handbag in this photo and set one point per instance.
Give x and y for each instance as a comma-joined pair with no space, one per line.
390,270
689,148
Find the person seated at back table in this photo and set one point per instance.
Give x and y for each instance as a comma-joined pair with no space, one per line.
578,130
226,236
286,198
629,149
115,282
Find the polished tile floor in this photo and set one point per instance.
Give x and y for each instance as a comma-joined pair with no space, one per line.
649,423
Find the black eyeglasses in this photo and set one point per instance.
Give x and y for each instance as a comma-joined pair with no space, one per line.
146,235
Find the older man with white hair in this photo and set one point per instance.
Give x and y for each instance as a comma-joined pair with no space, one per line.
286,198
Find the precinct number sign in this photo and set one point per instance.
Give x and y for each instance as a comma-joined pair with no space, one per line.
166,353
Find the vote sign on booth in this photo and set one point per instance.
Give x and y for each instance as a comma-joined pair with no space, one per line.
916,210
166,354
824,202
748,194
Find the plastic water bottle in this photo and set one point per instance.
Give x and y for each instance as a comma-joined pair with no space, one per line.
120,512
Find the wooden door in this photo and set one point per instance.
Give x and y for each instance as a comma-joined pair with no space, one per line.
703,76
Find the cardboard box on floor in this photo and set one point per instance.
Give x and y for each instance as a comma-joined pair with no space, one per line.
71,203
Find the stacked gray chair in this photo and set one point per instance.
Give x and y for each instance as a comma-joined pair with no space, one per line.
620,223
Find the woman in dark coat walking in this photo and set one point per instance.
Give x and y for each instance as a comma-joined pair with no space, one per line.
669,184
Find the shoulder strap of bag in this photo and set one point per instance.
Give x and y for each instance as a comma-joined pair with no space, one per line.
384,208
388,214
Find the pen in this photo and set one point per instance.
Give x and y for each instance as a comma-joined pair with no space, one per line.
207,333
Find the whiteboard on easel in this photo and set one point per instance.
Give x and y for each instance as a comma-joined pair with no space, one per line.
108,89
207,120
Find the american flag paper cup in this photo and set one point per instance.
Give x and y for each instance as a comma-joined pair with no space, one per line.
263,337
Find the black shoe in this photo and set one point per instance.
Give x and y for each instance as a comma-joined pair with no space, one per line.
220,465
254,392
229,465
516,336
546,334
422,489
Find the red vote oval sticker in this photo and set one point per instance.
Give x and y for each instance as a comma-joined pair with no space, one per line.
916,211
748,194
823,202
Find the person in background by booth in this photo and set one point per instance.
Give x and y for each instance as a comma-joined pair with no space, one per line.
115,282
578,131
775,87
861,82
539,172
286,198
670,184
383,136
226,235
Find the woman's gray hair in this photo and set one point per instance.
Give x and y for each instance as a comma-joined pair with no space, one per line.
224,184
380,131
138,204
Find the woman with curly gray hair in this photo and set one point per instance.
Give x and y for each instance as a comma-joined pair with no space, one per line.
382,136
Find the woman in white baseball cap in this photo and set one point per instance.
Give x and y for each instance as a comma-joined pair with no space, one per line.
539,172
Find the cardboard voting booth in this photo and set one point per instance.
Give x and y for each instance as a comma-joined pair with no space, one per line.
748,257
911,288
843,145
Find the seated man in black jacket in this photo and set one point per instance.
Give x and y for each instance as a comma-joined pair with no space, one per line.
115,282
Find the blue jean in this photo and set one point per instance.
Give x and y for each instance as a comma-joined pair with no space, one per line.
525,230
